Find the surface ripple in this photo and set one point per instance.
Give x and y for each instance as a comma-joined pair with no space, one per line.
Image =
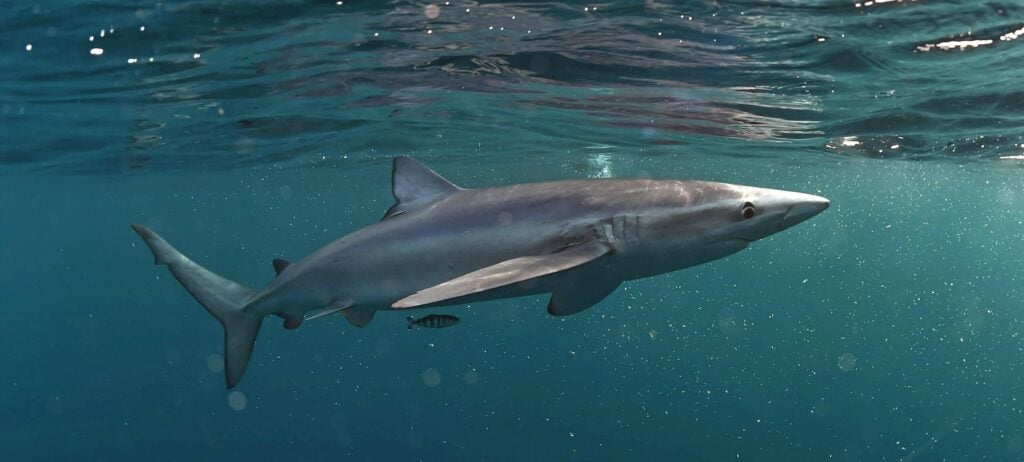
98,88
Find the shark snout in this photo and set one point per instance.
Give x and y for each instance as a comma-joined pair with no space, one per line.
803,207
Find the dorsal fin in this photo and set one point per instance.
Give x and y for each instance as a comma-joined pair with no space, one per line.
280,264
414,185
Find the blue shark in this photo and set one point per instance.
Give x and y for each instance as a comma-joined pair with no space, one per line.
441,244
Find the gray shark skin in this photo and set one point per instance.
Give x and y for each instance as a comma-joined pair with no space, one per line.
443,245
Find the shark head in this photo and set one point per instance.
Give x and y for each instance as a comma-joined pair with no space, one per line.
703,221
759,212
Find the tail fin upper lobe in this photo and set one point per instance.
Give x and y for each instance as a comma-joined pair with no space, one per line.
224,299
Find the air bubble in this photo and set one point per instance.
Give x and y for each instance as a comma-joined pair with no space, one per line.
431,11
237,400
215,363
431,377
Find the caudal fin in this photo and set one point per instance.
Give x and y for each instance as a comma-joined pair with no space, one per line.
223,298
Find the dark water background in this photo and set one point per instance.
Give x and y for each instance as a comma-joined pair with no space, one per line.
888,328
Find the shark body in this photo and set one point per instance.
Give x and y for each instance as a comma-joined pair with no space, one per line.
443,245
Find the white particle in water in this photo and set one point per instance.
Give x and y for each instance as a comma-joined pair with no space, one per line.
132,60
195,56
846,362
142,28
237,400
91,38
96,51
28,47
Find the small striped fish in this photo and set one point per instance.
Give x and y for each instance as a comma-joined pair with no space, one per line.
436,321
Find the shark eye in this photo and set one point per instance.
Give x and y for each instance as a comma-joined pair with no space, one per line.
748,210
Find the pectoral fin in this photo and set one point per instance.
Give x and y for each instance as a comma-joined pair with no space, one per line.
334,307
505,273
574,298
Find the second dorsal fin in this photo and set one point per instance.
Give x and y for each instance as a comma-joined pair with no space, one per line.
280,264
414,184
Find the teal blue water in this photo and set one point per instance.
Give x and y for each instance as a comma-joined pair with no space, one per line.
889,328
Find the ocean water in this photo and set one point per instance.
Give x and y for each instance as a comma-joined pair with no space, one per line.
889,328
